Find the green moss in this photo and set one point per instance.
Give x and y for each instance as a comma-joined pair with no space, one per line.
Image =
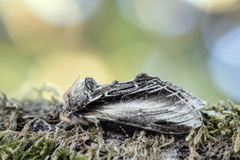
36,149
110,155
220,132
66,154
39,148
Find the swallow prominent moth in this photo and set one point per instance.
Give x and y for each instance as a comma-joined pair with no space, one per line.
145,102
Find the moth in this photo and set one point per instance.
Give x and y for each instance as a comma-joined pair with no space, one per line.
145,102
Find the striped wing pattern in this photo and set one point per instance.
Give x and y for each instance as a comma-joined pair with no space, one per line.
150,103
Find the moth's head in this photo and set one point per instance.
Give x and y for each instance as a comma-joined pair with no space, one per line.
79,94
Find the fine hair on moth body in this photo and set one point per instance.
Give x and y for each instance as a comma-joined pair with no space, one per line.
145,102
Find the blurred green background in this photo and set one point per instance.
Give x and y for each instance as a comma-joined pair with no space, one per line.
56,41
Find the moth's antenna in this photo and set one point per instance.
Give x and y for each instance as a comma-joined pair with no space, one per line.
76,81
124,131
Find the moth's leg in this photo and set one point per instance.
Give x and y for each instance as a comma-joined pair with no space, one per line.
97,123
63,125
124,131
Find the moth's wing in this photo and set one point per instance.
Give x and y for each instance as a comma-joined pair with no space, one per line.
153,104
157,86
164,117
144,84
